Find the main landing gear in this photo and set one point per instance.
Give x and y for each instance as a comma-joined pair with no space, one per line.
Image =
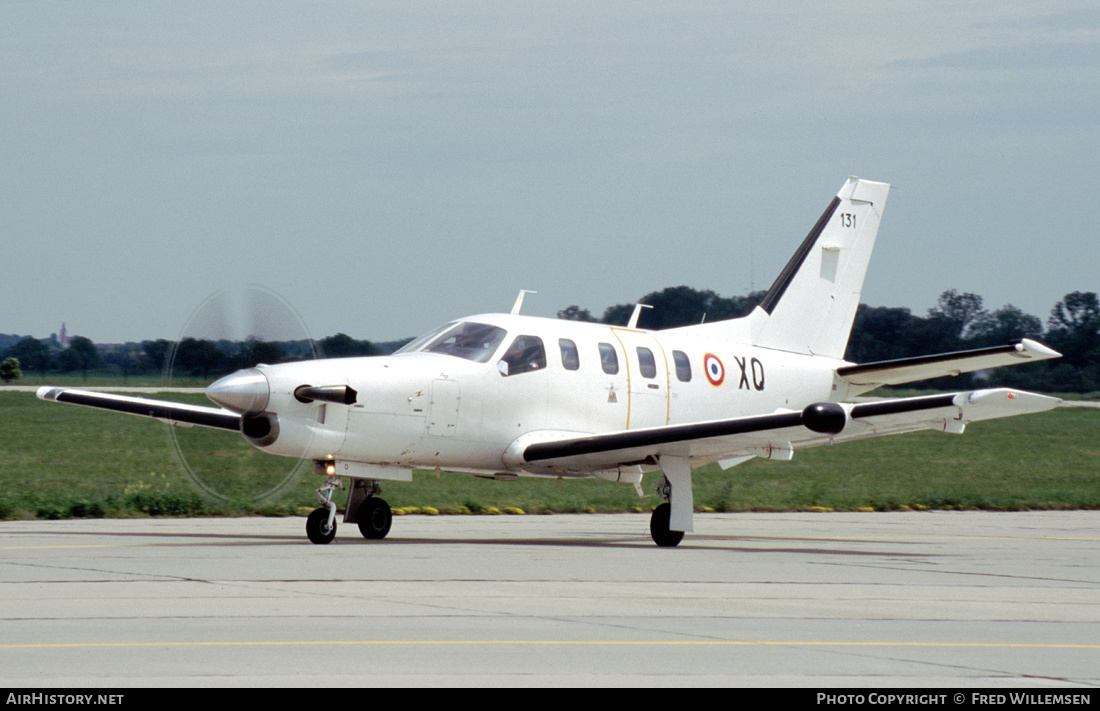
658,527
662,515
374,518
373,515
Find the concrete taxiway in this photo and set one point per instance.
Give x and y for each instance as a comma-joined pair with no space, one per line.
943,599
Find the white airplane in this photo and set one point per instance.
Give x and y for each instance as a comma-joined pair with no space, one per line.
506,395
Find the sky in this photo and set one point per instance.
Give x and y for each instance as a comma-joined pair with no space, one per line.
383,167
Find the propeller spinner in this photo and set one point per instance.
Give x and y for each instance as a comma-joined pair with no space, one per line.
245,392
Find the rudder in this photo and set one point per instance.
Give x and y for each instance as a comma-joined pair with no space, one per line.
812,304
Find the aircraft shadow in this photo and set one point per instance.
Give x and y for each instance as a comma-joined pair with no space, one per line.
695,542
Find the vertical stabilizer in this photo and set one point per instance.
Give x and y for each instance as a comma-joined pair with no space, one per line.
811,305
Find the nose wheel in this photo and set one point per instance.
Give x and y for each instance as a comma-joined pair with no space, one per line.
318,527
321,523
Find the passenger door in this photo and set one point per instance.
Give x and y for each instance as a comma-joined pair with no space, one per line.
647,378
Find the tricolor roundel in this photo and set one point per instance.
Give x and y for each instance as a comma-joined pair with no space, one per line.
712,366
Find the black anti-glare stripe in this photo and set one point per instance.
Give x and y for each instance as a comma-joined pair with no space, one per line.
148,409
893,407
662,435
922,360
775,293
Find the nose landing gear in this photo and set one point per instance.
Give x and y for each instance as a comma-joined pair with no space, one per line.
372,514
321,523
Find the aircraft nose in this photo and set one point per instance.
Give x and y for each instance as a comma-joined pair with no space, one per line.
245,392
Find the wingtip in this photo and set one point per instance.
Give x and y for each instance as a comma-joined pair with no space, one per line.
1019,400
1036,350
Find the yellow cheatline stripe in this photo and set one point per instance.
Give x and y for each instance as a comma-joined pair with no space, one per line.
552,642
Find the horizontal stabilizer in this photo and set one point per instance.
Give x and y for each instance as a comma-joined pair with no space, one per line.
174,413
868,376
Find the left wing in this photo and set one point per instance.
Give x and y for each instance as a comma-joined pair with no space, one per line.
775,435
174,413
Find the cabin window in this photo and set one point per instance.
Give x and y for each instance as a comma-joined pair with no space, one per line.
647,365
525,355
570,360
609,360
469,340
683,366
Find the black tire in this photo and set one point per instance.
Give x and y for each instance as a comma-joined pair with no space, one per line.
316,526
375,518
658,527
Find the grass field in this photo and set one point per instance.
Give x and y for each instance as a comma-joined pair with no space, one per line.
59,461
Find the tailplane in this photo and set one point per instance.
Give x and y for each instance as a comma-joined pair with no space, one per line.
811,305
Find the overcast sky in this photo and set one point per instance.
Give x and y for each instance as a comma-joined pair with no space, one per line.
387,166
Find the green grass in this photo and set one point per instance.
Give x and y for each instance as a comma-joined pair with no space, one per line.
60,461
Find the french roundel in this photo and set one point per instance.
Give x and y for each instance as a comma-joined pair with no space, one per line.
712,366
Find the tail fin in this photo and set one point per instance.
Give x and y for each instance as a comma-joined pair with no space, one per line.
811,306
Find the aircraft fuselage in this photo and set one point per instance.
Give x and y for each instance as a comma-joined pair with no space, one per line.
424,408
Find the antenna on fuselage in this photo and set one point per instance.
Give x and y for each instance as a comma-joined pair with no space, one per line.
633,323
519,300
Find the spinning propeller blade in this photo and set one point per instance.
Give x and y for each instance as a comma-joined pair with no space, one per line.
230,332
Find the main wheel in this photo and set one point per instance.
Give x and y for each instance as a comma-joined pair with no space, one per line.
317,527
374,518
658,527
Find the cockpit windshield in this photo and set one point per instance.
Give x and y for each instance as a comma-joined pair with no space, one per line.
469,340
417,343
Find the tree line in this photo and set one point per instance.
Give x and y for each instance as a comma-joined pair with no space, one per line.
189,357
958,321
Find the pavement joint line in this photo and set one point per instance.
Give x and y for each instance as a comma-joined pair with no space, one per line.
549,642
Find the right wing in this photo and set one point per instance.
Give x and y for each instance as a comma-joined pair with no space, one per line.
174,413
